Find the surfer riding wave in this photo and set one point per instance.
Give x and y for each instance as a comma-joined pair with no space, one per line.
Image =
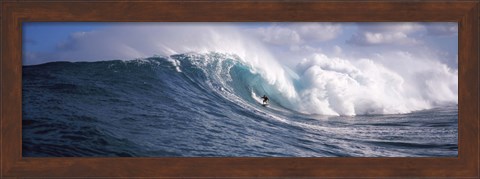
265,100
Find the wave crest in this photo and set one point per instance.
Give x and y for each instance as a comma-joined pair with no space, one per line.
327,86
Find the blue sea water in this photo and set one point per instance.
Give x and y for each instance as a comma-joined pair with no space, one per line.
179,106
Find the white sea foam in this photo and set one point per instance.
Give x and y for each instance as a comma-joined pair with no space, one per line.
341,87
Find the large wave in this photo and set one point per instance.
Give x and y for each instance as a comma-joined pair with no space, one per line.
318,84
206,103
391,83
322,85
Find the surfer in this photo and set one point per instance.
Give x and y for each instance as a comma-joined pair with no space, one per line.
265,99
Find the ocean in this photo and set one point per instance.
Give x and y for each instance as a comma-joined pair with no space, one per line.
208,105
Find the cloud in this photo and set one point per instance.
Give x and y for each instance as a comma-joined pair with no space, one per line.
337,50
125,41
386,34
318,31
286,41
279,35
369,38
442,29
107,44
298,33
139,40
406,27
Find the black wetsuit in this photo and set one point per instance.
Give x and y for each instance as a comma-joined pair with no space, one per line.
265,99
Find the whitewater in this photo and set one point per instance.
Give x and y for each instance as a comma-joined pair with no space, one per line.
202,98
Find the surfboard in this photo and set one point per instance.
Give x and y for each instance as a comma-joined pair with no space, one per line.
264,105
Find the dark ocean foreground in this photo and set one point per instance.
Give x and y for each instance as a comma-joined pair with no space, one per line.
203,105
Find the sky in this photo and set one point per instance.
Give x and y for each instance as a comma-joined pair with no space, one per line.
288,42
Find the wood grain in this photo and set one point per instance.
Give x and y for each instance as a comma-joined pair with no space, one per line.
13,14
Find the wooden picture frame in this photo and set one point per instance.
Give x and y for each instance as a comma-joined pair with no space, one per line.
14,13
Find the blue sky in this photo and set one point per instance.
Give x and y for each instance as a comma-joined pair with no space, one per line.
43,37
86,41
